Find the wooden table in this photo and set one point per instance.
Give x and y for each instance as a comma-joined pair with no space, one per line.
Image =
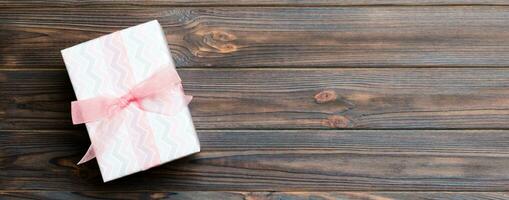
346,99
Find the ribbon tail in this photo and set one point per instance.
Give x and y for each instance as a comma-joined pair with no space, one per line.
88,156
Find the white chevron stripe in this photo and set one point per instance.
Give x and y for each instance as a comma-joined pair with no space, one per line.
143,63
91,67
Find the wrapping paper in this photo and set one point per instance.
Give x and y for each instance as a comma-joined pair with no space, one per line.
133,140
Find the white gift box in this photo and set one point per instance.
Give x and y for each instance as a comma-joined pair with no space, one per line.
108,66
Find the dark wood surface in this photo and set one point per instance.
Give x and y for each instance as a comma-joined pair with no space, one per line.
277,160
361,98
368,99
197,195
366,36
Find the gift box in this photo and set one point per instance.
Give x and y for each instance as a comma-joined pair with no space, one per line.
131,100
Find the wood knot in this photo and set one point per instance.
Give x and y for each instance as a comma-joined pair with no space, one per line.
220,41
159,195
325,96
222,36
337,121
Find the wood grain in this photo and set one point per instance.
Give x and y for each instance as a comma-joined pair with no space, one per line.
198,195
216,3
415,36
418,89
277,160
292,99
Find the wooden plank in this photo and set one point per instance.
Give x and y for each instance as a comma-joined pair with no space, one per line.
277,160
141,3
439,98
198,195
416,36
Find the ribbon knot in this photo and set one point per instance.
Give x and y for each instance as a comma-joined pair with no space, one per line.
161,93
126,100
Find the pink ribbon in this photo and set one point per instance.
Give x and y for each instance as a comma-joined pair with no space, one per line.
163,87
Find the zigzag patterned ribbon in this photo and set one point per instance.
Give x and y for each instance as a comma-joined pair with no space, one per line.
164,87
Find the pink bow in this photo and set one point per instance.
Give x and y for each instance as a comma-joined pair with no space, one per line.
162,87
